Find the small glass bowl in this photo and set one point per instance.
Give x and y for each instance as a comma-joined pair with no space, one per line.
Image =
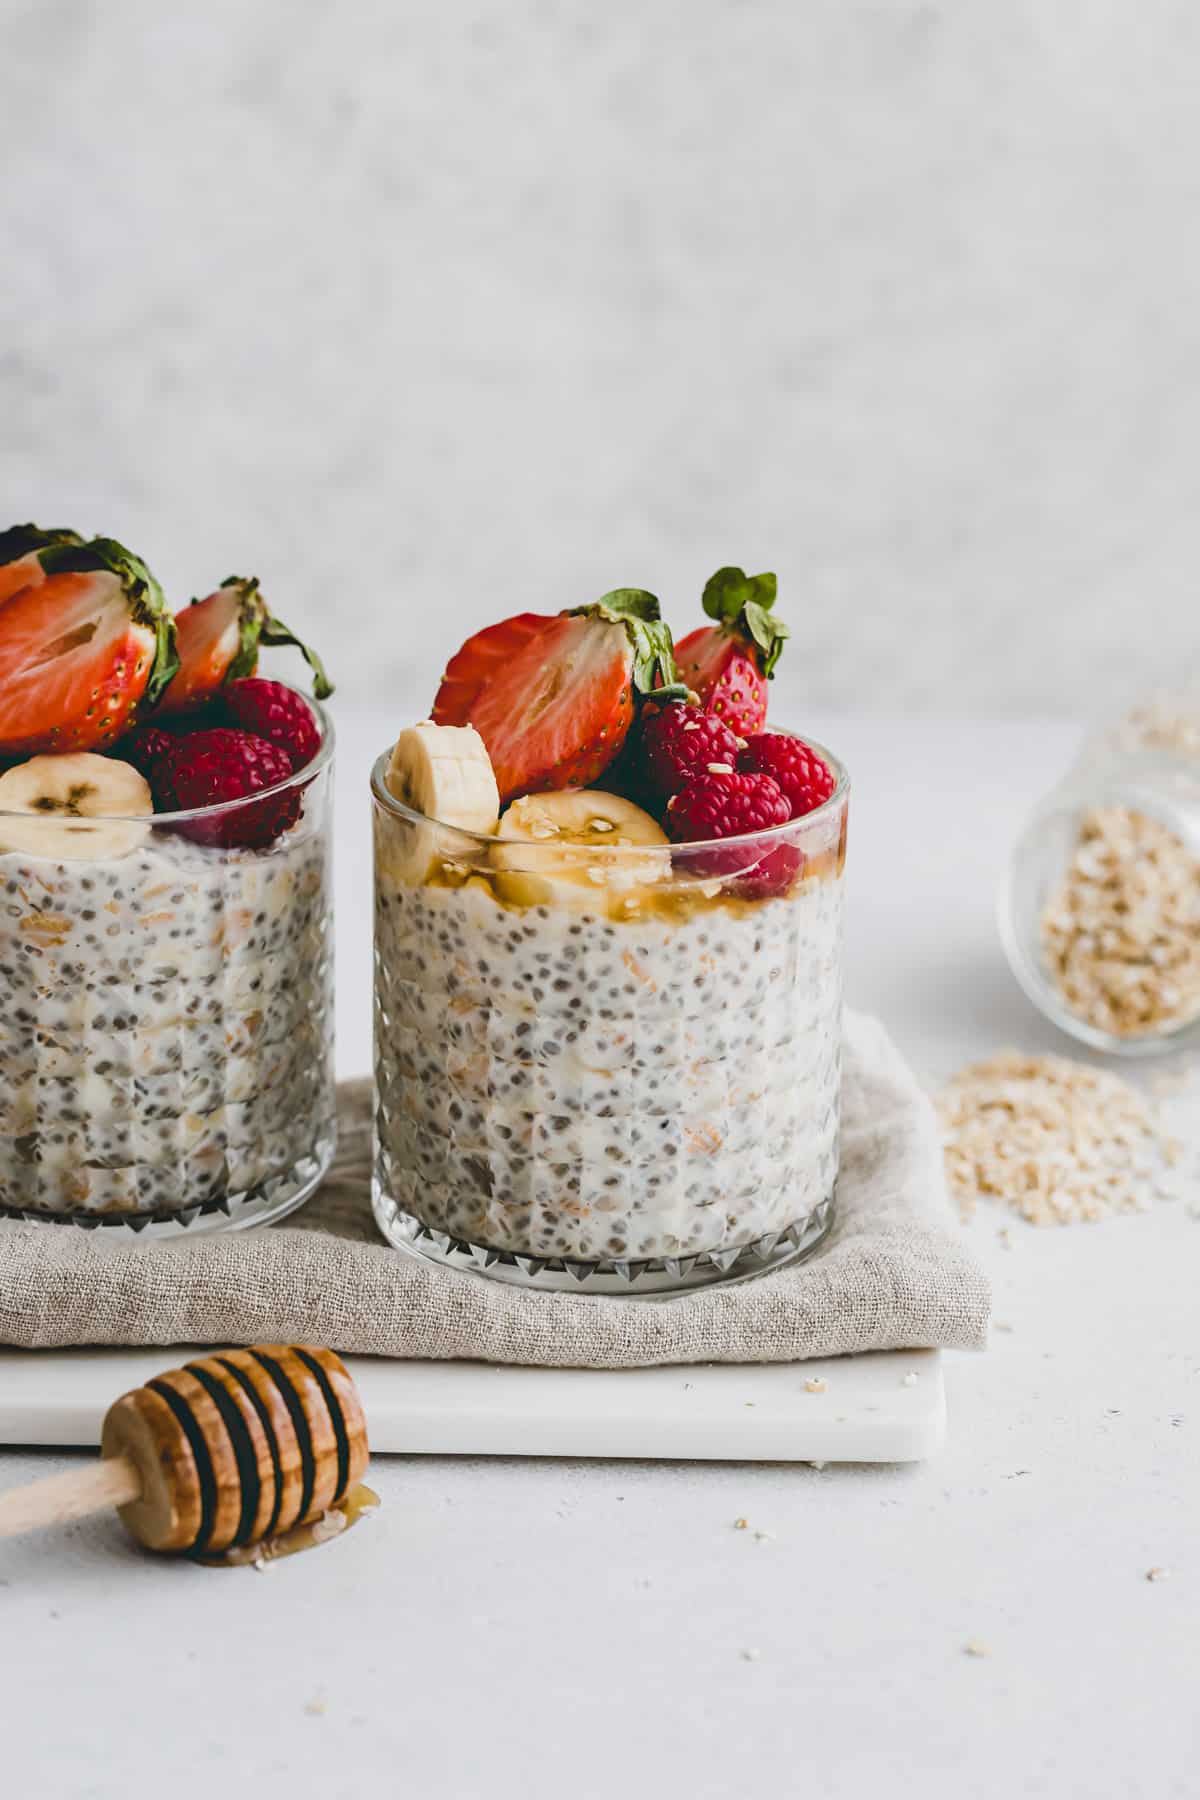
166,1016
611,1070
1115,771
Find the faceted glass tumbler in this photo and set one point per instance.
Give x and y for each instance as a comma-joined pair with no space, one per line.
166,1016
607,1070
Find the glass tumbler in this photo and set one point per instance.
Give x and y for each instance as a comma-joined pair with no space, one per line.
1100,909
166,1013
607,1068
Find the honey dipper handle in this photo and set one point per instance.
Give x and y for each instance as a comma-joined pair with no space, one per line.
113,1481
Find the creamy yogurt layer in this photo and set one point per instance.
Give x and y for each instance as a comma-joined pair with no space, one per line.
163,1024
557,1083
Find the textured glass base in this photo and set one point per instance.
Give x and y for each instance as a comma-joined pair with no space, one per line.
653,1279
262,1204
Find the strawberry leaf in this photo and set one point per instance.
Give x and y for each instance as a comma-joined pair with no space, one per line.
743,604
649,634
274,631
19,540
731,590
257,624
625,603
654,670
767,632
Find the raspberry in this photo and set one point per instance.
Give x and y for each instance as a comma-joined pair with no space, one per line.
722,806
270,710
678,742
733,806
805,780
149,750
213,768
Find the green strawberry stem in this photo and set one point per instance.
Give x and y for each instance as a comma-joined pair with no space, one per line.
743,604
654,670
259,625
145,597
19,540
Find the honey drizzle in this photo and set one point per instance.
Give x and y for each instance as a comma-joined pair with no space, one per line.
332,1524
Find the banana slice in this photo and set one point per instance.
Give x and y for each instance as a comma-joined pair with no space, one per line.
81,808
579,847
444,773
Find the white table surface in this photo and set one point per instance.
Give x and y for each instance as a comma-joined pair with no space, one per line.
526,1628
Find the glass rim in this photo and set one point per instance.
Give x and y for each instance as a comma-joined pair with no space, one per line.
152,821
768,835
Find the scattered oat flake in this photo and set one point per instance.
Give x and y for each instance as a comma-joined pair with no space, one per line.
976,1647
815,1384
1057,1141
314,1708
1157,1574
751,1655
740,1524
910,1380
816,1465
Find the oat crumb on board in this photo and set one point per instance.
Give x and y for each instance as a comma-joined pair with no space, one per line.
976,1647
1056,1140
1157,1573
815,1385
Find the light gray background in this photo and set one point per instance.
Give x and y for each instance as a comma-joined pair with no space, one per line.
428,309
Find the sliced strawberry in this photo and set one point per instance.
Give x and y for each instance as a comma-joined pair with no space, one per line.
480,660
553,698
20,566
729,664
82,646
218,640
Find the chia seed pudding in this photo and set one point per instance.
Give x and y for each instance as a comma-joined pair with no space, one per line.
630,1092
166,1027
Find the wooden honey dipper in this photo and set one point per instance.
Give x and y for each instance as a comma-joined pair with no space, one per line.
240,1446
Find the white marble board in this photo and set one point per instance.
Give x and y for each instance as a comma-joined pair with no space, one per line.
887,1407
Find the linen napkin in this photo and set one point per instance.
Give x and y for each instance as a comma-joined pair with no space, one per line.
893,1273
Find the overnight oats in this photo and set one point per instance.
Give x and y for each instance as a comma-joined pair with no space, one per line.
608,1011
165,904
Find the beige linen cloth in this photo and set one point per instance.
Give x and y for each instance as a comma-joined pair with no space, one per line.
893,1274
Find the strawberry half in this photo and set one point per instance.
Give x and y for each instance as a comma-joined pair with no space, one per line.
85,641
729,664
219,638
553,698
